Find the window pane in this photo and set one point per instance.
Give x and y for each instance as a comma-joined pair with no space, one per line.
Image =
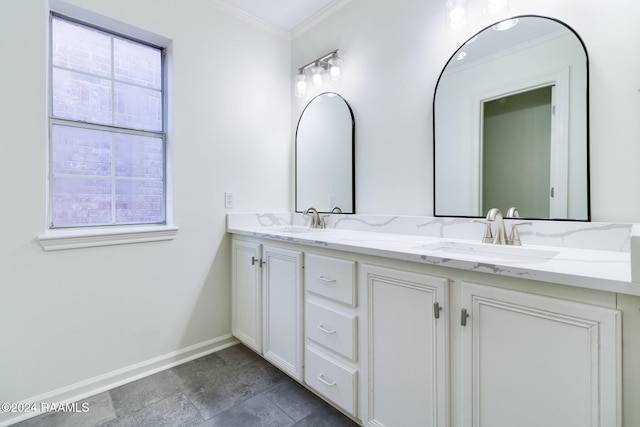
81,201
80,151
139,156
139,201
81,97
80,48
105,175
137,63
137,108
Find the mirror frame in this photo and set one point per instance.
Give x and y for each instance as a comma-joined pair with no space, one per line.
587,121
353,154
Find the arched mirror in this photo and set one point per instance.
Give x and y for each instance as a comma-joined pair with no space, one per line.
325,155
511,123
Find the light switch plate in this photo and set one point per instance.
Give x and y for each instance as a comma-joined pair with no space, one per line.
228,200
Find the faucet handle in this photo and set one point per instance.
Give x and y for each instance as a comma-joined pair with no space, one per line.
514,236
323,222
488,236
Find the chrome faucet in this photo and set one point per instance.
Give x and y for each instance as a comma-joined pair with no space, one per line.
316,220
494,215
498,237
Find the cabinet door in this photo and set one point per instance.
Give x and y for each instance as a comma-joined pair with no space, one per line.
282,309
408,369
246,294
530,360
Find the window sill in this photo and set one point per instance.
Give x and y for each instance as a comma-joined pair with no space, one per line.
55,240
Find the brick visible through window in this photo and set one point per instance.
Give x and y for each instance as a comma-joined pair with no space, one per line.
108,146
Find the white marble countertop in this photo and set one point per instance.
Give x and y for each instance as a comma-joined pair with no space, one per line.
605,270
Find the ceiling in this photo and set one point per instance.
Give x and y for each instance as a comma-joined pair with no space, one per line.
284,14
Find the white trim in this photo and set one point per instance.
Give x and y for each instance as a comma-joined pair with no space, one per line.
59,239
559,168
101,383
320,15
113,25
250,18
305,25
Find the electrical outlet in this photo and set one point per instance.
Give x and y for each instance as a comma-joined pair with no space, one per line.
228,200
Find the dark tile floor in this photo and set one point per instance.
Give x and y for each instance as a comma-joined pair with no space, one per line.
233,387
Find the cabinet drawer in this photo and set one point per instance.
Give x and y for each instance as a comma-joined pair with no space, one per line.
336,382
332,329
331,277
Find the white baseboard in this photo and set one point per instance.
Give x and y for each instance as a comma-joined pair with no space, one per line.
92,386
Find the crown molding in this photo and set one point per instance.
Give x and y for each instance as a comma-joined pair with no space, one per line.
317,17
249,18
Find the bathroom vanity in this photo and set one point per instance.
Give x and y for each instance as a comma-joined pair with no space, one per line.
403,321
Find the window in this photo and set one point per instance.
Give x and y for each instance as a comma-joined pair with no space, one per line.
107,128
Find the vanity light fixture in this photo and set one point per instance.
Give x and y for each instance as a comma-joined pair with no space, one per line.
319,71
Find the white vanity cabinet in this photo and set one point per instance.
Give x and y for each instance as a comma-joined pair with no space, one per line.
532,360
407,348
267,302
331,329
396,343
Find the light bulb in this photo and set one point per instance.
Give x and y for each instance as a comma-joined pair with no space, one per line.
457,18
334,67
301,83
456,14
316,76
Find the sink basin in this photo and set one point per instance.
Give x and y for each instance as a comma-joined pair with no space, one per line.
497,253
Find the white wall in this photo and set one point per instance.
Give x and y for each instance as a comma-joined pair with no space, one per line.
393,53
69,316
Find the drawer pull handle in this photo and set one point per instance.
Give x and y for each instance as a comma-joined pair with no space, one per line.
325,330
326,279
321,378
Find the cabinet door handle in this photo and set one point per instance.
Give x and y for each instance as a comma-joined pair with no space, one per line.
436,310
325,330
255,260
464,315
326,279
321,378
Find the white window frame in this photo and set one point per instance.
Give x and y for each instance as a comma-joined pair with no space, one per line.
90,236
